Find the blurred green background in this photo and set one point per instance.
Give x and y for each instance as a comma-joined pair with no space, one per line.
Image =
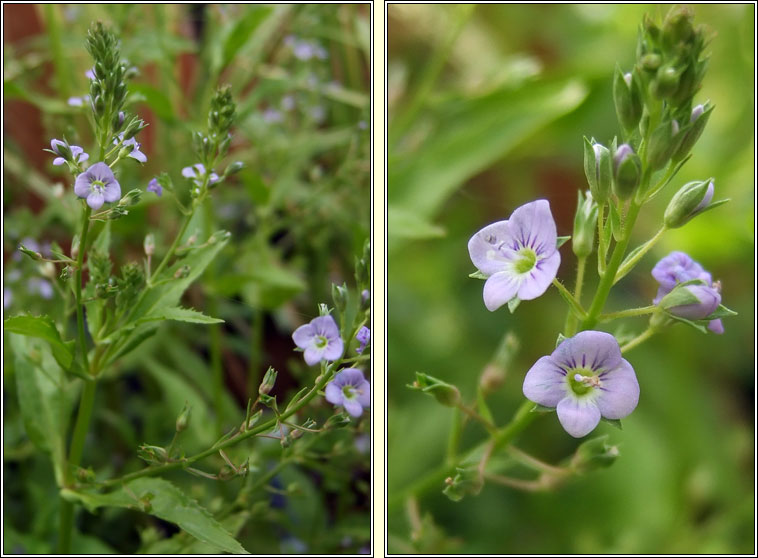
487,108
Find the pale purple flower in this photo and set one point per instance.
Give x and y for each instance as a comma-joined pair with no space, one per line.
679,267
75,102
320,339
585,379
131,142
7,297
363,336
39,286
98,185
78,154
90,74
518,256
272,116
153,186
197,173
349,389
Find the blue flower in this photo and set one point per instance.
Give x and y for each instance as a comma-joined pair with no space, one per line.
363,336
98,185
197,173
320,339
131,142
153,186
349,389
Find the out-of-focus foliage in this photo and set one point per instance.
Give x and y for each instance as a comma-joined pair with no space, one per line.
298,214
487,109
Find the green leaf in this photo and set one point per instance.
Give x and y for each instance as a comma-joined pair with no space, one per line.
242,32
472,134
43,327
402,223
164,500
561,240
180,314
41,398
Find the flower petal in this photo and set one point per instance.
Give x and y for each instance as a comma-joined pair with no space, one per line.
350,377
533,226
364,394
141,157
619,391
83,157
326,326
333,393
112,192
595,350
499,289
578,417
716,327
188,172
537,281
545,383
333,349
58,161
95,200
82,185
353,407
313,355
483,247
303,336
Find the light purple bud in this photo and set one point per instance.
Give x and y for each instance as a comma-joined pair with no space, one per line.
696,112
706,199
628,79
625,150
674,127
708,300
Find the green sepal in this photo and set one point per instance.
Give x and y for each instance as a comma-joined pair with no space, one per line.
478,275
613,422
561,240
513,304
542,409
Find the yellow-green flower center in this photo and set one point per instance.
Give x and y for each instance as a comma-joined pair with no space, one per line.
321,341
525,262
585,384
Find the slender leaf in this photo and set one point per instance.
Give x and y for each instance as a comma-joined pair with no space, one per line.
43,327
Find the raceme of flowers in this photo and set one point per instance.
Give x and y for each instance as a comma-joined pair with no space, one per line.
518,256
585,379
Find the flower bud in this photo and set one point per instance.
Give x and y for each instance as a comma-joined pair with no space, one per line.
691,199
36,256
585,221
445,393
663,143
627,96
339,295
693,302
149,244
698,120
594,454
677,27
599,170
340,420
666,82
627,169
234,168
269,379
650,62
467,480
182,421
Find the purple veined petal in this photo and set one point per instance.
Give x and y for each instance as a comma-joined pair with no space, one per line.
333,349
545,383
716,327
483,247
533,226
678,267
326,326
312,355
82,185
58,161
537,281
353,407
619,391
303,336
102,172
112,192
364,394
578,417
333,393
594,350
350,377
709,300
136,154
499,289
95,200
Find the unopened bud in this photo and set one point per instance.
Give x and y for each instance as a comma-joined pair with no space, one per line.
339,296
663,143
492,378
666,82
594,454
36,256
650,62
627,96
234,168
340,420
585,222
627,169
182,421
698,120
598,168
149,244
446,394
691,199
269,379
692,302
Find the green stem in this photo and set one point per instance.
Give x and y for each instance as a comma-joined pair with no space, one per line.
632,312
264,427
641,338
606,282
571,319
602,249
491,428
636,255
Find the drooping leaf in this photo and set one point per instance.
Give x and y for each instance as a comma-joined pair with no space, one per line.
43,327
162,499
